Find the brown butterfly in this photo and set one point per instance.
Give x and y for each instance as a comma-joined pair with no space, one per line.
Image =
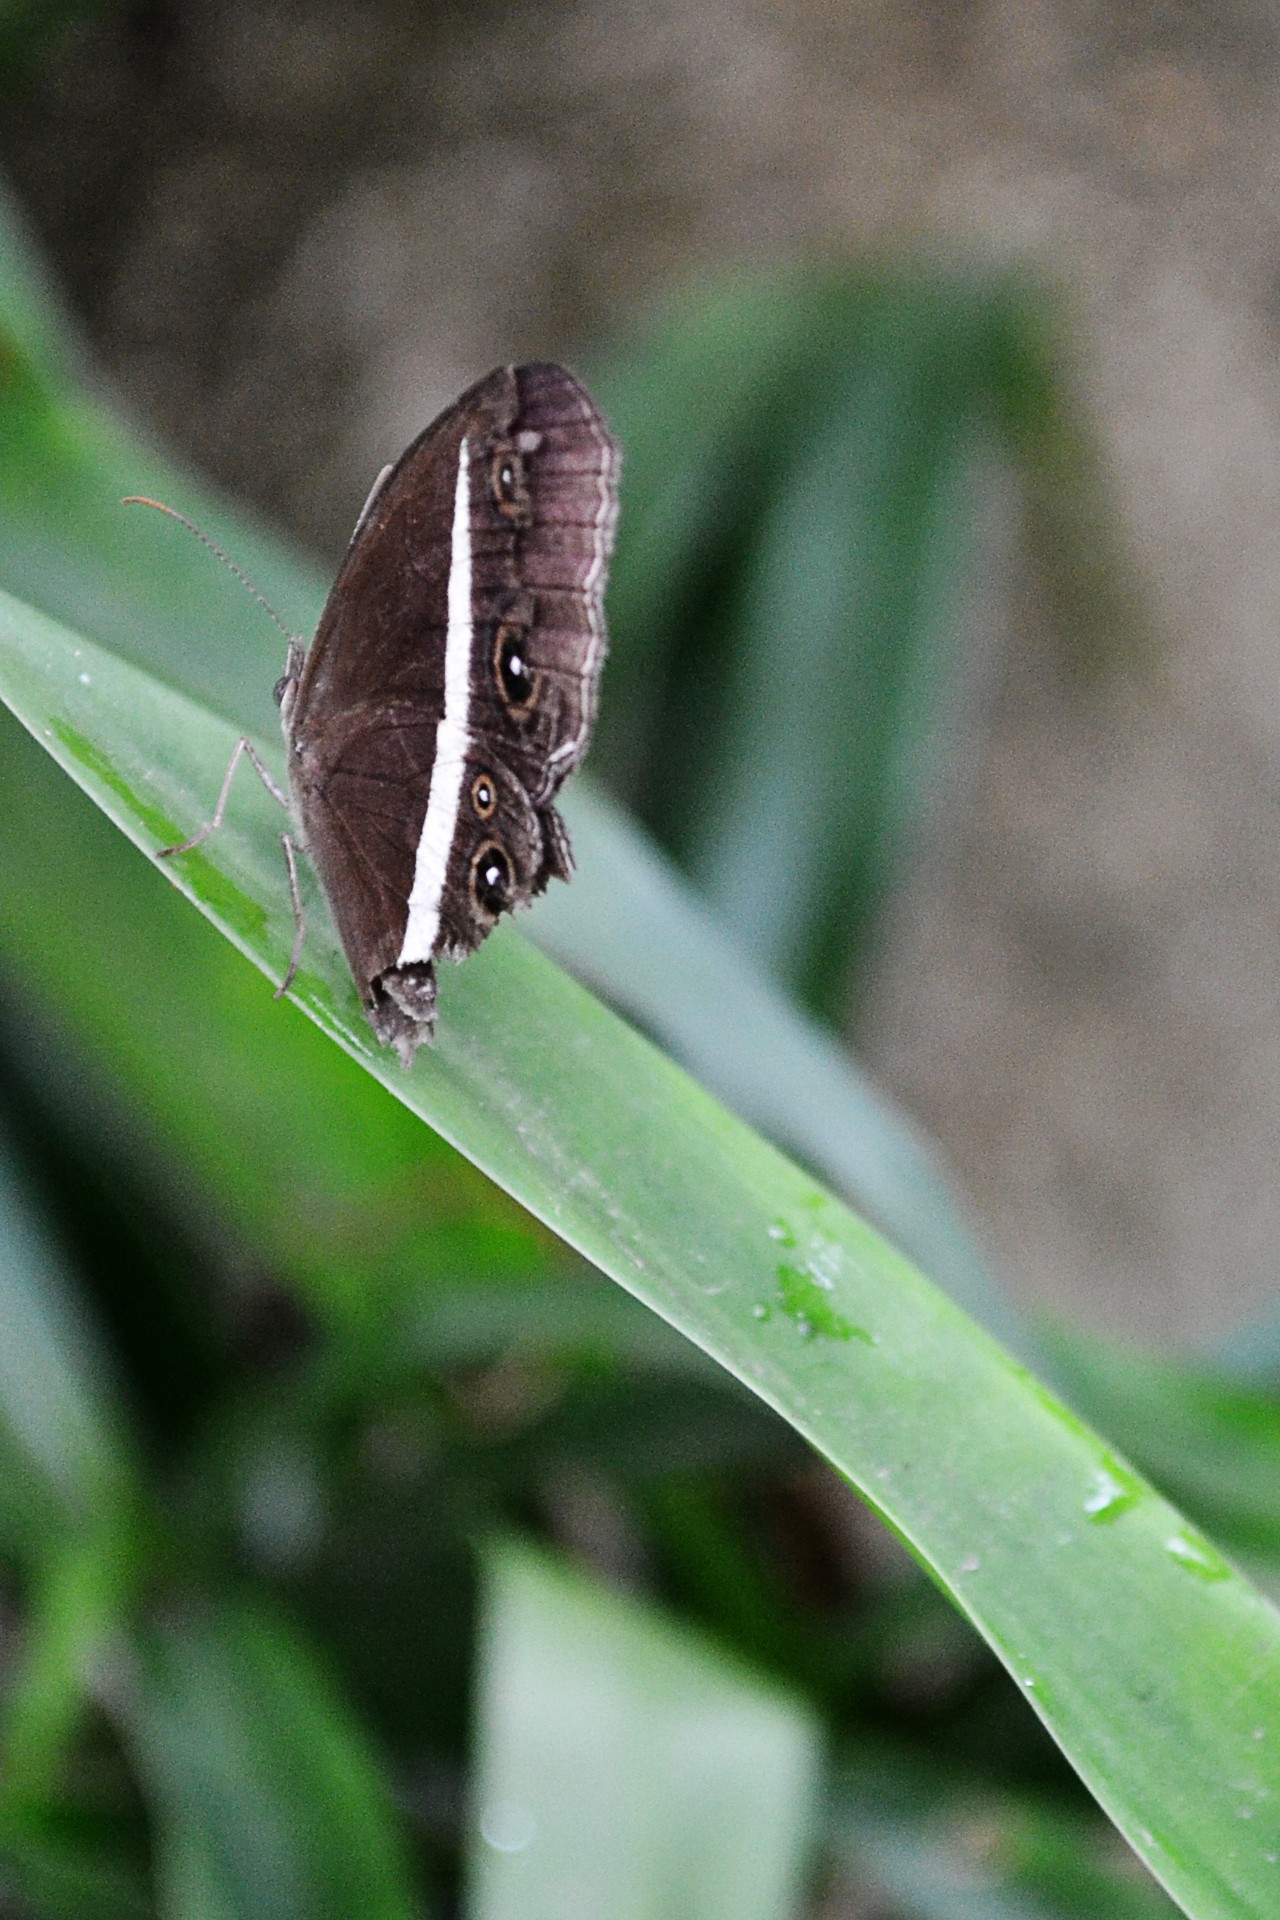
451,687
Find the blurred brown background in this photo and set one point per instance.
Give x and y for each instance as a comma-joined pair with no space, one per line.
292,232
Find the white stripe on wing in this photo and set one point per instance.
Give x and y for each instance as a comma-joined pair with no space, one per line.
453,739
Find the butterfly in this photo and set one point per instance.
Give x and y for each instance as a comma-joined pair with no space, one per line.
451,687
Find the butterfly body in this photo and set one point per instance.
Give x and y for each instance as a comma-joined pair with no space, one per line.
452,683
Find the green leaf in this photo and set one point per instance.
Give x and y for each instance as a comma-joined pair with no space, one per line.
633,929
78,1605
68,1502
836,608
805,503
268,1806
1206,1437
699,402
601,1722
1155,1665
60,1431
68,1491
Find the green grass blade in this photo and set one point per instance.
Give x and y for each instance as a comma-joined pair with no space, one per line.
694,1780
828,627
60,1432
1209,1439
1154,1664
691,403
68,1494
77,1604
656,952
792,600
267,1805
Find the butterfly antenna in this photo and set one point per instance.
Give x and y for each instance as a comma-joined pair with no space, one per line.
141,500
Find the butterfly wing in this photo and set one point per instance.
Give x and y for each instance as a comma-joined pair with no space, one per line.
452,683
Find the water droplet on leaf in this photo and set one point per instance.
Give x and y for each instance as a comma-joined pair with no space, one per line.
1193,1552
1113,1492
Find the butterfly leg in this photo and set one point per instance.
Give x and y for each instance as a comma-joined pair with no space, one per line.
242,746
299,920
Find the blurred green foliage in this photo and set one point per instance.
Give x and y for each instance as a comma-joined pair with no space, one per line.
265,1381
796,602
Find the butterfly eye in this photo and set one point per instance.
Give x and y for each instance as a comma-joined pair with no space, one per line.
483,796
491,879
511,663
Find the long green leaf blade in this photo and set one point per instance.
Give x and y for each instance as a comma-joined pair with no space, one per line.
632,928
1154,1664
268,1808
